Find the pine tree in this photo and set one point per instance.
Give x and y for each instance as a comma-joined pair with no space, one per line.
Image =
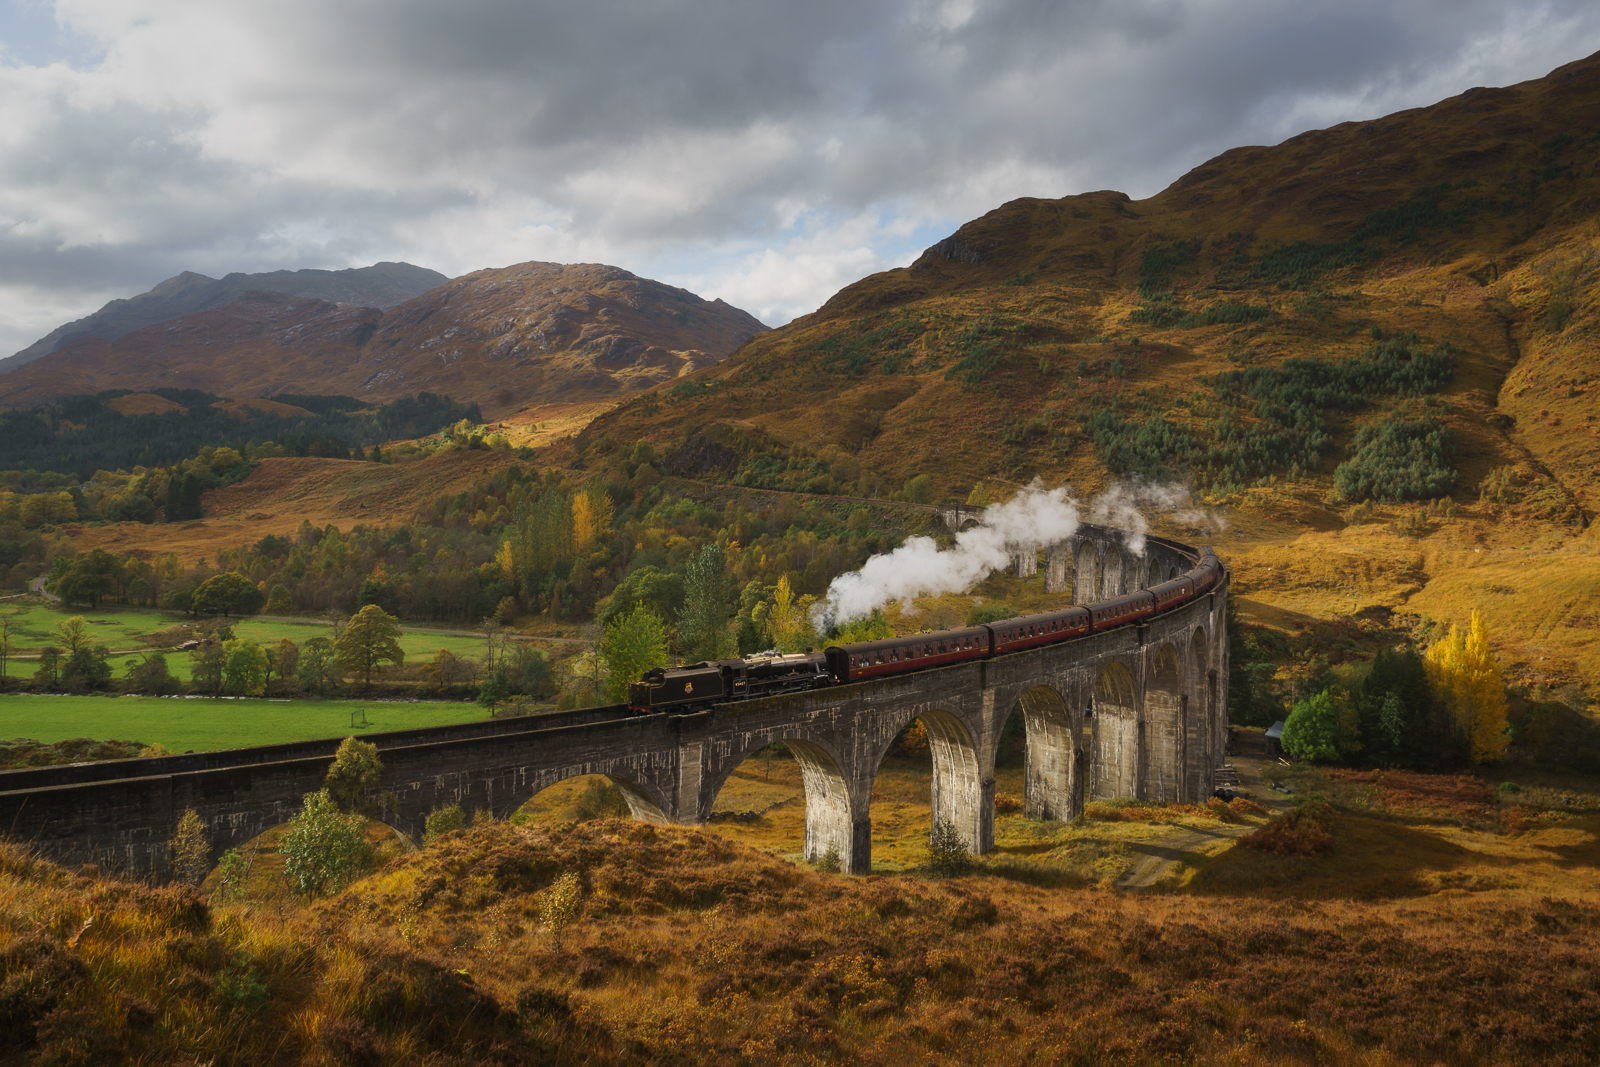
703,623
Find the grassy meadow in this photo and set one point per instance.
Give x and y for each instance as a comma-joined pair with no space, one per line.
206,723
121,629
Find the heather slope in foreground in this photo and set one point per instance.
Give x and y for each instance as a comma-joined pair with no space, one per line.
693,949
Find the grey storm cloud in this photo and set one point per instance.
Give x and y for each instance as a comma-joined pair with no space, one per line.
764,152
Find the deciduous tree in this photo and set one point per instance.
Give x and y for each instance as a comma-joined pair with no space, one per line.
355,771
559,905
231,593
210,661
244,671
323,848
318,668
288,660
73,634
634,644
1322,728
8,645
371,637
1467,677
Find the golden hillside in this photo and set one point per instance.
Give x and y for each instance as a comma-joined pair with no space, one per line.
283,492
1096,337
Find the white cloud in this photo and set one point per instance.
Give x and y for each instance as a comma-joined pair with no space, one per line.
764,152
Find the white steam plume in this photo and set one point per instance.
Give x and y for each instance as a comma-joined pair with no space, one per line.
1035,516
1123,505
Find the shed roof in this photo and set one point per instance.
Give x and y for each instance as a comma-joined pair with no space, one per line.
1275,731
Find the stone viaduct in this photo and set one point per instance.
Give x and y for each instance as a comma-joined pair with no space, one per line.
1135,711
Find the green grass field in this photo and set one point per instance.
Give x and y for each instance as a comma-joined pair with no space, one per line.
204,724
120,630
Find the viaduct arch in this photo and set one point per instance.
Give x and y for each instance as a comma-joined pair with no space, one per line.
1140,710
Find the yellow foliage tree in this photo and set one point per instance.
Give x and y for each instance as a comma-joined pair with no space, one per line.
506,559
591,516
1467,676
789,620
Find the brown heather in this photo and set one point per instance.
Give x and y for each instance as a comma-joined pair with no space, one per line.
693,949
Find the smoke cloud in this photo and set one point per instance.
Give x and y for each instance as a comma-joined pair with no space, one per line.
1123,506
1035,516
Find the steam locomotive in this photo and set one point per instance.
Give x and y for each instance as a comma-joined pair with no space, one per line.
697,686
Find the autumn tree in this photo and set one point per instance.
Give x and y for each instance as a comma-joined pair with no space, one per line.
371,637
789,619
355,772
591,517
444,670
560,904
209,668
153,676
323,848
1466,676
278,602
634,644
48,674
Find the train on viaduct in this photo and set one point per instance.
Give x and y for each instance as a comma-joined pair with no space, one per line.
1136,710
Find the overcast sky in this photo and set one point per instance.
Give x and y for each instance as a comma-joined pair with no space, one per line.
764,151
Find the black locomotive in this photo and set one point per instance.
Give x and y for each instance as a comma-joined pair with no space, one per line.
700,685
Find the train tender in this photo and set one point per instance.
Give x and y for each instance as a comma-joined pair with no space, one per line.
700,685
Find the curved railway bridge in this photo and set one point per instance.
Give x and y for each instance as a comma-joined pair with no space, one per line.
1138,710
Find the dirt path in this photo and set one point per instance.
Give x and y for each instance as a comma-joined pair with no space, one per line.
431,630
1156,859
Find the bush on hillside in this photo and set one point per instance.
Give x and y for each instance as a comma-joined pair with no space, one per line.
948,855
1306,831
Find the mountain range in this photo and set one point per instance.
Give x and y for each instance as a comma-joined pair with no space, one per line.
530,333
381,285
